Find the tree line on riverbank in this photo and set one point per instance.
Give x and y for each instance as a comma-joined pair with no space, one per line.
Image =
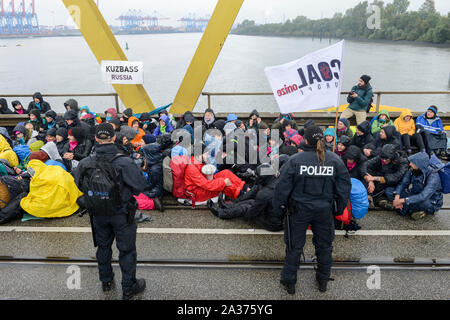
397,23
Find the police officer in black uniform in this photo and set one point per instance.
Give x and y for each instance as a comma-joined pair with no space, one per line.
309,185
121,224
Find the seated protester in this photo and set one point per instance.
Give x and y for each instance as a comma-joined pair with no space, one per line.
110,114
255,205
253,121
71,121
163,127
50,120
187,118
36,120
343,128
115,123
420,191
51,135
201,189
71,104
290,149
430,126
39,104
362,135
61,139
85,111
166,143
54,158
7,153
241,125
23,153
124,145
309,123
126,114
354,160
231,123
384,172
405,125
34,135
137,141
278,123
343,143
387,136
4,107
292,136
21,135
153,168
329,139
18,108
148,123
89,119
78,148
209,117
381,121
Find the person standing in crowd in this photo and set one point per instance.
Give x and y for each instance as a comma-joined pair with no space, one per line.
360,99
430,126
308,184
118,223
38,103
405,125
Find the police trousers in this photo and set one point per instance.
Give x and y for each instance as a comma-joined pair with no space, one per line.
106,229
322,226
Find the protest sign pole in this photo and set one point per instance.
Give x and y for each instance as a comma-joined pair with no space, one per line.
338,97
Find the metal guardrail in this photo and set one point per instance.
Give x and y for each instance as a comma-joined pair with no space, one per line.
377,93
68,95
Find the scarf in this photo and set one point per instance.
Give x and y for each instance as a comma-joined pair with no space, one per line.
162,129
38,105
19,111
351,166
73,145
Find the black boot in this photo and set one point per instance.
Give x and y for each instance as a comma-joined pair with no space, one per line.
290,287
158,204
106,286
323,283
213,207
138,287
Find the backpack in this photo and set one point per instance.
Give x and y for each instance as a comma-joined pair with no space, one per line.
101,185
345,221
358,199
444,173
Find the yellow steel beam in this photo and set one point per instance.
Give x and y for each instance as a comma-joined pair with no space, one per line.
104,45
206,55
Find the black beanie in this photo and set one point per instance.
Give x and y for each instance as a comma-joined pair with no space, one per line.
71,115
313,134
52,132
365,78
62,132
51,114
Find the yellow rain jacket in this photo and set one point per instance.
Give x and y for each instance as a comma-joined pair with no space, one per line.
7,153
405,127
53,192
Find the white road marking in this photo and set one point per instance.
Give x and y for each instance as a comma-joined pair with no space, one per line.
411,233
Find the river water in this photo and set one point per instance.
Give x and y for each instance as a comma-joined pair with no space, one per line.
66,65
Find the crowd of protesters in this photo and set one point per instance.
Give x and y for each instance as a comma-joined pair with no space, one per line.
230,165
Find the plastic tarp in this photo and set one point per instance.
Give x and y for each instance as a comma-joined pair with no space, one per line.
53,192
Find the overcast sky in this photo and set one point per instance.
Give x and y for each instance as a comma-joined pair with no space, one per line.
54,12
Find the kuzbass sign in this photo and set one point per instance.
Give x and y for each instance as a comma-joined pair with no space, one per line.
122,72
312,82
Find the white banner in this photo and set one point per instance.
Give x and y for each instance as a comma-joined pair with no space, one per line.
310,83
122,72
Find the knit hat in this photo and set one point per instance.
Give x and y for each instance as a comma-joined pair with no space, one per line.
39,155
345,122
51,114
71,115
78,133
128,132
114,121
149,138
231,117
52,132
62,132
128,112
365,78
434,109
112,111
104,131
313,134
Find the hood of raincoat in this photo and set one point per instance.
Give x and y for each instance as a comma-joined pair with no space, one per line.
153,153
421,160
7,153
22,152
53,192
51,150
364,127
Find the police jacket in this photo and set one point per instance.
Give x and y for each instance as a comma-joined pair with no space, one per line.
133,181
311,185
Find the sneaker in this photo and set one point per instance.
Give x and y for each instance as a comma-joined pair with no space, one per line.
158,204
214,208
138,287
107,286
371,204
290,287
418,215
185,202
386,205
